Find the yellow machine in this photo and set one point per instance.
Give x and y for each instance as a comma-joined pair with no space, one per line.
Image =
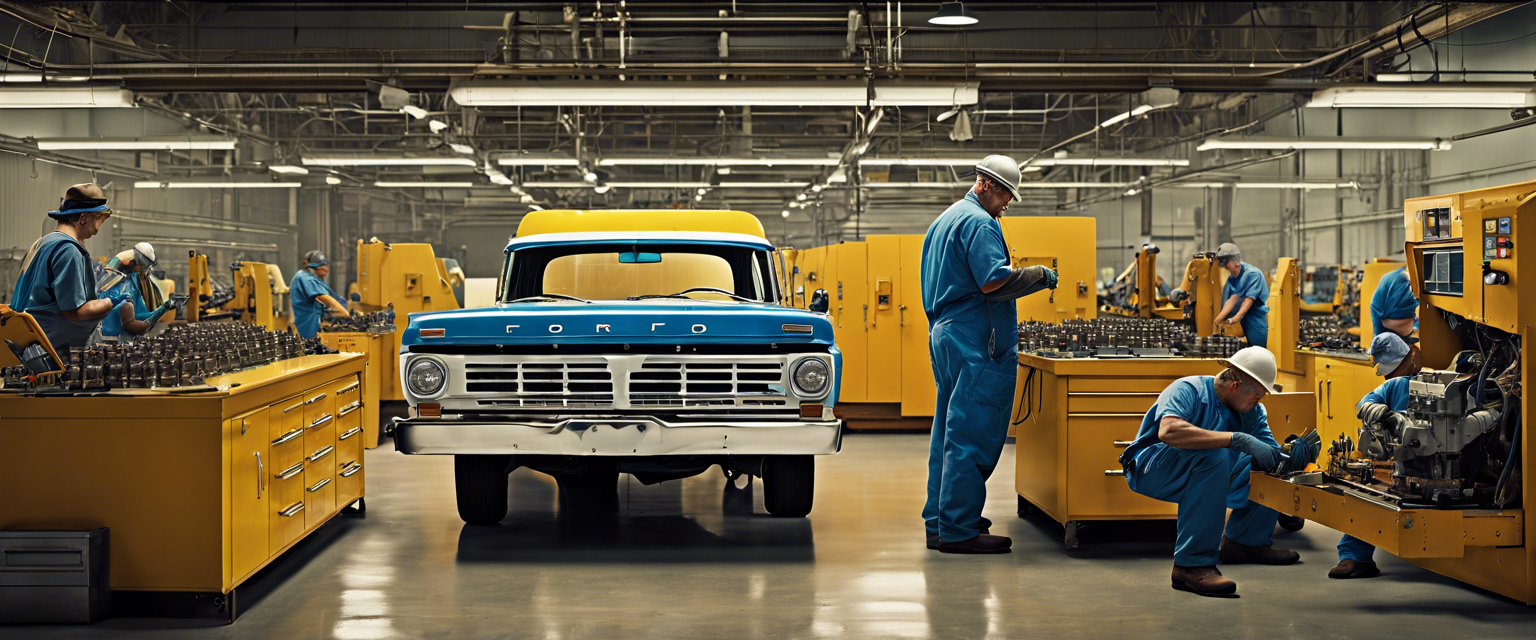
408,276
1196,298
875,290
1447,489
258,296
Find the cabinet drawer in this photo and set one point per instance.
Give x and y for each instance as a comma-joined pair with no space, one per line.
347,390
286,416
349,446
1106,402
319,499
1092,450
286,519
1117,384
319,464
320,432
319,402
349,482
287,450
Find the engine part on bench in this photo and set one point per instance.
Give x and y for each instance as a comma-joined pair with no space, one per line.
376,322
1122,336
184,355
1326,333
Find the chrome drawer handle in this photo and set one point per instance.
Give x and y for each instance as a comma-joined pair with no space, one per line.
320,420
288,436
1124,443
261,475
351,469
1114,472
291,511
354,431
347,388
292,471
354,406
315,399
289,409
320,485
322,453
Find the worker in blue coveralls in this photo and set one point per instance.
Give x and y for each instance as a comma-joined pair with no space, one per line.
969,291
1398,362
1393,306
1244,296
1196,447
311,296
57,284
130,271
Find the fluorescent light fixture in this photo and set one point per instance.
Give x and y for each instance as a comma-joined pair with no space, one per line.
385,184
148,143
1112,162
547,161
724,171
385,161
24,78
1427,96
437,126
1281,143
1022,185
762,185
414,111
1305,186
498,177
521,93
784,213
461,148
1126,116
717,162
952,14
183,184
288,168
602,187
64,98
332,180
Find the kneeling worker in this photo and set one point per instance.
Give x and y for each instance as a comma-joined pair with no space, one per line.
1398,362
1244,297
310,295
1196,447
142,306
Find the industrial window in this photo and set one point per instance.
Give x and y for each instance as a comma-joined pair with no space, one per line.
1443,272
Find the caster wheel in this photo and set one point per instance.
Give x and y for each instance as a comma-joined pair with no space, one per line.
1026,509
1069,533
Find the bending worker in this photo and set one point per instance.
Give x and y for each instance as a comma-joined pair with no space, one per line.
311,296
1393,306
1245,295
57,285
1196,447
144,306
969,293
1398,362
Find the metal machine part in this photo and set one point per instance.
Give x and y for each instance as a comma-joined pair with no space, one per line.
1113,336
376,322
1327,333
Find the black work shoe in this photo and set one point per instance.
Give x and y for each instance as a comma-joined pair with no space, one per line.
984,543
1349,569
1205,581
986,527
1238,553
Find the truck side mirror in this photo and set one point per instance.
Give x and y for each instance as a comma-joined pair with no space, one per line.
819,301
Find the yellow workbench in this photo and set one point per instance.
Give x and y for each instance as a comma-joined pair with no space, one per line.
1079,416
200,490
375,350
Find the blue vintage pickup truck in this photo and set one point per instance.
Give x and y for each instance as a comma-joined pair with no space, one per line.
644,342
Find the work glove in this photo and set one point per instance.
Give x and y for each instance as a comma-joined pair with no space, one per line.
1050,279
154,318
117,295
1265,456
1303,451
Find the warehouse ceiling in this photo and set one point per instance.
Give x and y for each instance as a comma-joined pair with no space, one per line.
681,104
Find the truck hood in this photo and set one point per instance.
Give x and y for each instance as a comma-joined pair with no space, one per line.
636,322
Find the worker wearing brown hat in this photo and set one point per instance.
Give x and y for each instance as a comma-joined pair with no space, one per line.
57,285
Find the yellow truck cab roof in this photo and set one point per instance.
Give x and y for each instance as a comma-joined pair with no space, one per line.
578,221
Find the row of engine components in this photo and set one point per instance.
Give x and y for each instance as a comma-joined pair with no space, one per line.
1325,332
185,355
376,322
1122,336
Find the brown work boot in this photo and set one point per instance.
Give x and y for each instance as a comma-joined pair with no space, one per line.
1205,581
1237,553
1348,569
984,543
986,527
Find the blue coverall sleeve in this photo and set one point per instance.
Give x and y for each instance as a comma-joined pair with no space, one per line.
307,289
988,254
1252,286
1180,400
72,283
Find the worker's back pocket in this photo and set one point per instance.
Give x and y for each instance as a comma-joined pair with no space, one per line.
990,383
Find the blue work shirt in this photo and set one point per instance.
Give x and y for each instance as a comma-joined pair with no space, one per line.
112,325
304,291
58,279
1249,283
1393,393
964,249
1193,398
1393,300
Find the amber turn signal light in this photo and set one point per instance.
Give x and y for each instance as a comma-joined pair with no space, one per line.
810,411
429,410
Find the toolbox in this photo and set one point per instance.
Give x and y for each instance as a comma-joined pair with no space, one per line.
54,577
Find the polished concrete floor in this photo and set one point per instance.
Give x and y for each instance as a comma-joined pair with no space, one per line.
674,565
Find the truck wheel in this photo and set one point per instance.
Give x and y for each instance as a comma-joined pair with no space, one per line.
789,484
480,483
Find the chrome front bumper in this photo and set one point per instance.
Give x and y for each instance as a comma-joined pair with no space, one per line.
628,436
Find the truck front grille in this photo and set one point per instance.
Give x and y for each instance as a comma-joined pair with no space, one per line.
546,383
668,383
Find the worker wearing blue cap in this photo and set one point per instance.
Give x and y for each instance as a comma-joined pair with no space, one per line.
969,293
57,284
1393,306
1398,362
310,295
1245,296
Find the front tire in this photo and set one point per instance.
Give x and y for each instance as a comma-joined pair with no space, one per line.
789,485
480,484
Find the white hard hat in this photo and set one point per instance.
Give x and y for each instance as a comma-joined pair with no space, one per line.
1258,363
1003,170
1228,250
144,254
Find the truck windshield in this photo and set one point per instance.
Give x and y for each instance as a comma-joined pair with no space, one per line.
620,271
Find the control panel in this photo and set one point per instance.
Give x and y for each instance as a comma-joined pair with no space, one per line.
1498,238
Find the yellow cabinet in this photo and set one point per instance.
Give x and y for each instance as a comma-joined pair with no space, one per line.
918,391
885,345
1339,384
850,321
249,456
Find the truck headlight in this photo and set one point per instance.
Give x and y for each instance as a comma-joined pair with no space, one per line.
425,377
811,377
